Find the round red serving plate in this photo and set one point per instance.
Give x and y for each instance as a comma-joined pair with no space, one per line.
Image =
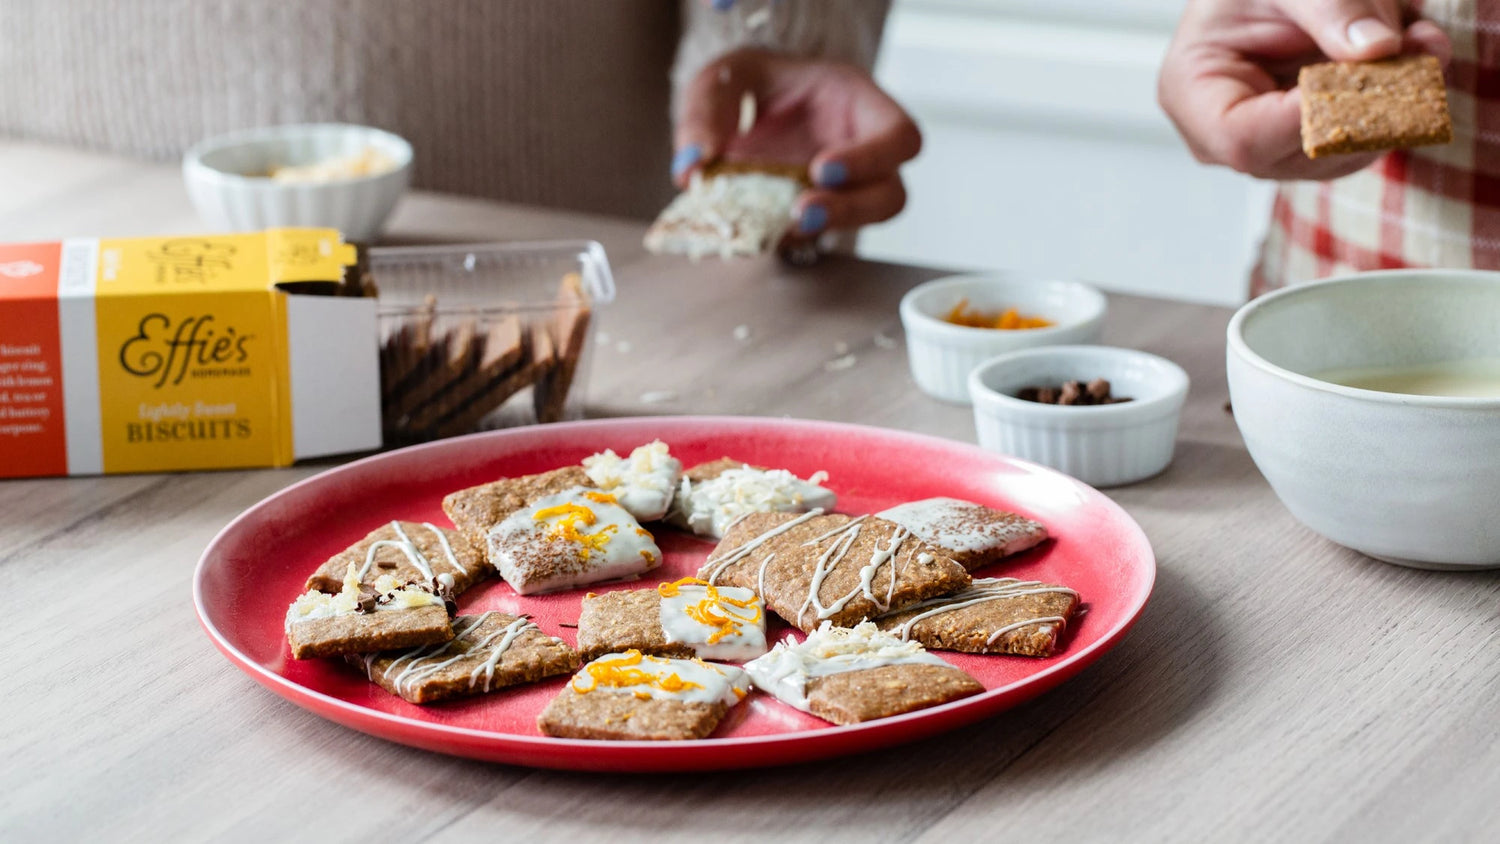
257,565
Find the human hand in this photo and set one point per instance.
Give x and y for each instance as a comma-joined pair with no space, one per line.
1227,78
828,115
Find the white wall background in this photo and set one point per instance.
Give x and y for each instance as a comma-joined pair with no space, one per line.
1045,151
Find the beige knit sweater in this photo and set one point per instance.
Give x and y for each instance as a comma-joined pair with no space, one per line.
551,102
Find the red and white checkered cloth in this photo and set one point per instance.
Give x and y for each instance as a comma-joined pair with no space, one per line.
1435,206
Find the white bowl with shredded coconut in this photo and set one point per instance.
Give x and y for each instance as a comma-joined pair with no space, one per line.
321,175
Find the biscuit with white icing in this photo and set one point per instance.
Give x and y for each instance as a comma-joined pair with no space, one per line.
477,509
714,495
852,675
730,209
576,537
972,534
996,615
412,552
816,567
686,618
361,618
644,481
632,696
487,653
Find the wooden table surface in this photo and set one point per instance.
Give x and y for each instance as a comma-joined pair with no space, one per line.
1278,687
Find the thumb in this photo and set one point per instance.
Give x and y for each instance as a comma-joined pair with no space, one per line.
1349,30
711,111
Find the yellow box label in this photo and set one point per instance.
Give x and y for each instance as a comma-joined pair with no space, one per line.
200,380
192,381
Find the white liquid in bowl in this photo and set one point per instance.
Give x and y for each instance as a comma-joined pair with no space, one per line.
1469,377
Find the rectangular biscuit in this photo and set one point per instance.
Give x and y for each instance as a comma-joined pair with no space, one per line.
460,349
631,696
849,675
502,351
465,417
487,653
568,329
570,539
973,535
814,567
713,495
685,619
477,509
994,616
362,632
412,552
854,696
619,621
731,208
403,349
626,718
1360,106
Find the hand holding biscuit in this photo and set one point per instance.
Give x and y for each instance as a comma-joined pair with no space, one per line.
831,116
1227,79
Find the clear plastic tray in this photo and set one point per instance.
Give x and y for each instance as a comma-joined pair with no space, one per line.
485,335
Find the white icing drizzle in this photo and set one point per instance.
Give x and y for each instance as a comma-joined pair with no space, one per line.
786,670
760,579
510,633
844,538
744,551
420,665
982,590
413,553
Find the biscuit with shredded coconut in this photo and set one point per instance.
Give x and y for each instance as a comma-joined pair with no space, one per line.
644,482
712,496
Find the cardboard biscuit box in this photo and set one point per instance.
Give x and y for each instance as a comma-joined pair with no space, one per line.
175,353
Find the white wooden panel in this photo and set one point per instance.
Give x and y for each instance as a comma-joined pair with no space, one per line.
1046,152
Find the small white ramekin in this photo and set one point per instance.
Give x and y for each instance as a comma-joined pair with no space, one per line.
226,182
942,354
1102,445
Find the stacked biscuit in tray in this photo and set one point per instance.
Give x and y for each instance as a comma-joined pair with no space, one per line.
873,596
440,374
482,335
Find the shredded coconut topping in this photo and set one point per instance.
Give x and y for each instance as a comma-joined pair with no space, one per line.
785,671
708,508
643,482
392,595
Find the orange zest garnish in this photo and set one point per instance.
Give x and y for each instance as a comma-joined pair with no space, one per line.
622,673
1009,319
601,498
715,610
569,516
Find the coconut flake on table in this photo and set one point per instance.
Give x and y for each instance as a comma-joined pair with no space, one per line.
709,507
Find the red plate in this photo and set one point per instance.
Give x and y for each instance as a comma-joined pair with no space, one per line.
257,565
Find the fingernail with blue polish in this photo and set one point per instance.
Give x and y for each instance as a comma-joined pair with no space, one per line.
813,220
832,174
685,158
723,5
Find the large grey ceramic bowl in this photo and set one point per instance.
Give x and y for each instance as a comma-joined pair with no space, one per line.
1408,479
